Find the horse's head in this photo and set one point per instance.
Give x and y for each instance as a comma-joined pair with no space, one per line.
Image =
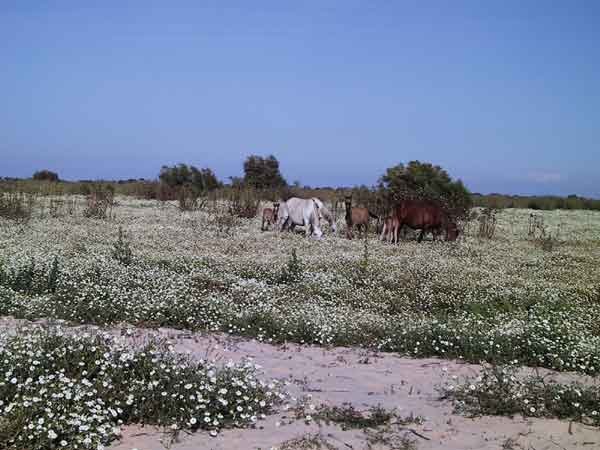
317,233
348,202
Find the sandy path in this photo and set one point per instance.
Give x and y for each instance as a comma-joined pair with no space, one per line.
338,375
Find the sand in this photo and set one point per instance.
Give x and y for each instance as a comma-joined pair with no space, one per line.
337,375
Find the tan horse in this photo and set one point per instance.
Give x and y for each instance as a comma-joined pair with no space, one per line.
391,227
269,216
358,217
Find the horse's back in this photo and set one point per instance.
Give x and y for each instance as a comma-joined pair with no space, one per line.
419,214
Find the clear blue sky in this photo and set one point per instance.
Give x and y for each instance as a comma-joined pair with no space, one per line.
504,94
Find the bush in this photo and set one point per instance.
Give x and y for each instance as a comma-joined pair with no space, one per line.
61,391
293,270
100,203
424,181
198,180
244,202
499,391
45,175
263,173
16,206
122,249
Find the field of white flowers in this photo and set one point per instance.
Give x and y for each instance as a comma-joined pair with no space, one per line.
500,300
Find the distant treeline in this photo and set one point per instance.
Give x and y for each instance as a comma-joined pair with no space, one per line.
545,202
154,189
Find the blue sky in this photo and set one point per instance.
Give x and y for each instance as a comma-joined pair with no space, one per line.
504,94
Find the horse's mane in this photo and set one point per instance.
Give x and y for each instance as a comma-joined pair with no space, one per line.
323,210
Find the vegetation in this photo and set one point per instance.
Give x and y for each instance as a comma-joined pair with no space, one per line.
424,181
497,299
263,173
547,203
68,391
501,391
374,199
180,175
122,249
503,299
45,175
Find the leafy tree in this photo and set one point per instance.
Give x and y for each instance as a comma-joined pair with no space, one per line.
263,173
183,175
424,181
45,175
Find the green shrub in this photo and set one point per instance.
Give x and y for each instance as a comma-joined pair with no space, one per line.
62,391
499,391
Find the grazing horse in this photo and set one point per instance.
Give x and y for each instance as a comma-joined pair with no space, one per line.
390,229
269,216
426,217
358,217
304,212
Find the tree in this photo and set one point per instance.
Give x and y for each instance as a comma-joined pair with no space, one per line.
263,173
180,175
45,175
424,181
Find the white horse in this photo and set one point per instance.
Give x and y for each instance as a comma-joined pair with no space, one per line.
304,212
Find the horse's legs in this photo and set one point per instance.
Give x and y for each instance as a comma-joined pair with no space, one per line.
396,231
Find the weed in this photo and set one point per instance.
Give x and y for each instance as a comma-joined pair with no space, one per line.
499,391
293,270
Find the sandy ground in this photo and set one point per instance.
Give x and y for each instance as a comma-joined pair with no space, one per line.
363,378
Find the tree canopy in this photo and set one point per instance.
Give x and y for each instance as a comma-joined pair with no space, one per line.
424,181
183,175
263,173
45,175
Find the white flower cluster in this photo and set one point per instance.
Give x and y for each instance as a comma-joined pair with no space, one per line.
65,391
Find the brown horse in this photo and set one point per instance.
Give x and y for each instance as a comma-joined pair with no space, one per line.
358,217
270,216
424,216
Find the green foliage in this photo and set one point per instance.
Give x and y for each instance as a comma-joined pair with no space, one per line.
93,385
16,206
499,390
100,201
348,417
293,270
199,180
243,202
122,249
45,175
571,202
424,181
263,173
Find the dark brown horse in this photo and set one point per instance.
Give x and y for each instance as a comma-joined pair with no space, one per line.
424,216
270,216
358,217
